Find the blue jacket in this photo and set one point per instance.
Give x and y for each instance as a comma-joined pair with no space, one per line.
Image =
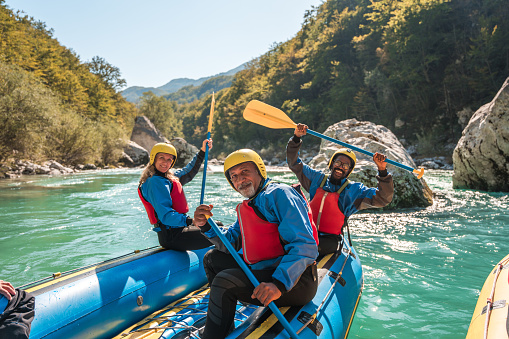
355,197
3,304
156,190
281,204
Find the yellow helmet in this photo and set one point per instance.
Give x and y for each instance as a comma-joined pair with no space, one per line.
163,147
240,156
347,152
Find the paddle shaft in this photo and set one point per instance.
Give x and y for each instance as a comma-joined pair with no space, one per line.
252,278
209,129
204,170
389,161
262,114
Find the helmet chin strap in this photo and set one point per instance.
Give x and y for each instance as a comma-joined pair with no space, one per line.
260,187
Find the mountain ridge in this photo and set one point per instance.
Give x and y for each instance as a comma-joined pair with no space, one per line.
133,93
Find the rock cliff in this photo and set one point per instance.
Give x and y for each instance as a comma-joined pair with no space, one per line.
481,157
146,134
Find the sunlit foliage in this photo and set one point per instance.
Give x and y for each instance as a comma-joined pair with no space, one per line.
418,62
53,105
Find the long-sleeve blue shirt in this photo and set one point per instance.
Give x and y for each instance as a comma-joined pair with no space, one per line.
156,190
283,205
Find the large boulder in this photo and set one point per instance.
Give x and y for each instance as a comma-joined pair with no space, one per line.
408,190
481,156
145,133
134,155
185,151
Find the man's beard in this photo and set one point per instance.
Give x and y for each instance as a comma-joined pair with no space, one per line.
334,180
248,191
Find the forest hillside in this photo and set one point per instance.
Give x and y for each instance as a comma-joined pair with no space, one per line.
420,68
54,105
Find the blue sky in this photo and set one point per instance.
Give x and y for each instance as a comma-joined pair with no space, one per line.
155,41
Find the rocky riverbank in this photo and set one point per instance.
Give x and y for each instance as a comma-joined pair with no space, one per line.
24,167
276,162
145,135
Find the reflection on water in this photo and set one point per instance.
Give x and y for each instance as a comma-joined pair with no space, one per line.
423,268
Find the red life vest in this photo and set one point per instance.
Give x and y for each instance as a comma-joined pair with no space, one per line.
260,238
152,217
178,200
326,213
310,214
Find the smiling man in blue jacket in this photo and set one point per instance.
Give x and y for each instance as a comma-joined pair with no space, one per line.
334,198
277,239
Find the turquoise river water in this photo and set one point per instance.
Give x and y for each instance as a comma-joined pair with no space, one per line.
423,268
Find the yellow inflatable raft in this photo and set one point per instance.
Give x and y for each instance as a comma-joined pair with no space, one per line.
490,319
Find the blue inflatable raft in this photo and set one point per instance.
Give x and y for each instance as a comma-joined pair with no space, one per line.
328,315
157,293
100,300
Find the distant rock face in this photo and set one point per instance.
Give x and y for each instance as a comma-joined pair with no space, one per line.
408,190
146,134
481,157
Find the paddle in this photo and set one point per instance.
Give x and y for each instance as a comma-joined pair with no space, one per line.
207,150
262,114
252,278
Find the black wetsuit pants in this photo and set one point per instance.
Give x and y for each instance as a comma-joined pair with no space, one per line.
328,243
228,283
182,238
16,320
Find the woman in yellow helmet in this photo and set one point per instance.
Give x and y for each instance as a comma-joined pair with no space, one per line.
161,192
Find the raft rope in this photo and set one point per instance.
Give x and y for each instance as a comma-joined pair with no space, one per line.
339,275
489,301
174,320
84,268
175,308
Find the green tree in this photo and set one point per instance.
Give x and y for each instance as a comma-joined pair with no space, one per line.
30,45
27,109
109,74
162,113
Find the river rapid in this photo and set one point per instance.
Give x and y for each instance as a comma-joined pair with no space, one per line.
423,268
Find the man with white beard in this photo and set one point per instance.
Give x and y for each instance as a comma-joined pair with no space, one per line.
278,242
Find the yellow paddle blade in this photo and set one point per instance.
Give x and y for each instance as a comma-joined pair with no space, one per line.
211,113
266,115
419,172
